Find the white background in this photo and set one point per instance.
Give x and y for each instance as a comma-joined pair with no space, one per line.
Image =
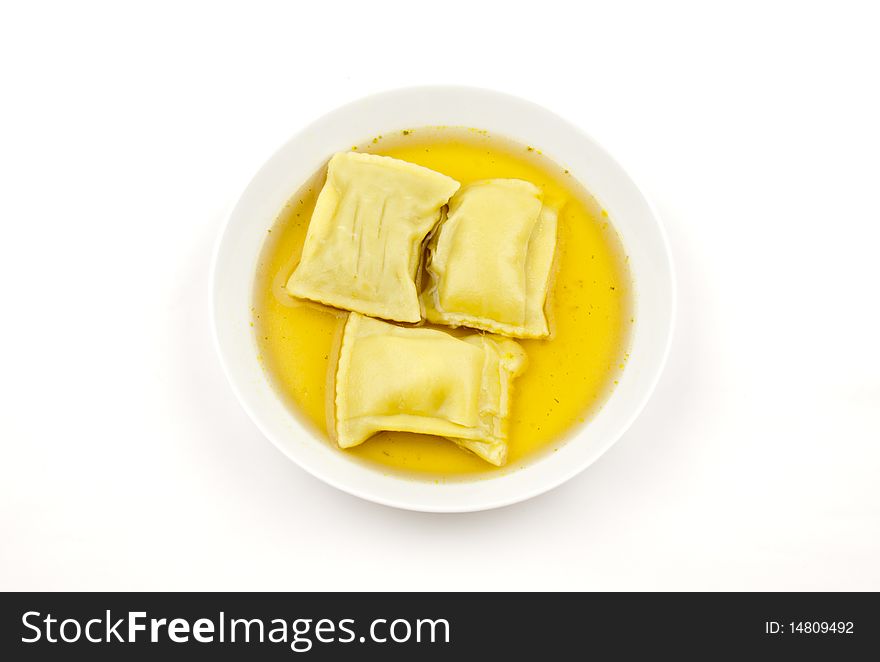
127,134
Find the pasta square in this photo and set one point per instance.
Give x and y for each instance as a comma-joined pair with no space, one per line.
363,246
490,261
426,381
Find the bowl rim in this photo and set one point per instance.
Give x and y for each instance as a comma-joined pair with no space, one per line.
489,503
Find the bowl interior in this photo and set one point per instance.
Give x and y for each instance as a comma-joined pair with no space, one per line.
638,225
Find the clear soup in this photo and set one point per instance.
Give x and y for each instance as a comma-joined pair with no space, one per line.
568,376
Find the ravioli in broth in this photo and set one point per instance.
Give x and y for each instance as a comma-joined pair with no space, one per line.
569,375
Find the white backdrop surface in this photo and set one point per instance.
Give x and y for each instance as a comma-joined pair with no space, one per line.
127,133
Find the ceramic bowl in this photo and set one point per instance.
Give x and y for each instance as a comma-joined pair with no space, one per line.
636,221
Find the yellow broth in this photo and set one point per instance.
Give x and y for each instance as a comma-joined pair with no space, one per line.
568,376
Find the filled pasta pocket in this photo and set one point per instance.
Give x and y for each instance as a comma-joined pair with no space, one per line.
489,263
364,241
425,381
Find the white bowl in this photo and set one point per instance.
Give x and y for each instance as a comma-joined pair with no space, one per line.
637,223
